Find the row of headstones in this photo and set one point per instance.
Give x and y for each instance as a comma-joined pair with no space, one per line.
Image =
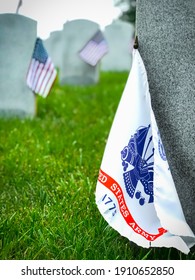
118,35
17,39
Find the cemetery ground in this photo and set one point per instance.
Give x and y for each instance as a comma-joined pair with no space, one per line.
49,169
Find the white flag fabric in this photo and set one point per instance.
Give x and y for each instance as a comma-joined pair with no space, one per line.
135,192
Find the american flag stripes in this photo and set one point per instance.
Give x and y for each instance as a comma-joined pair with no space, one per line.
41,72
95,49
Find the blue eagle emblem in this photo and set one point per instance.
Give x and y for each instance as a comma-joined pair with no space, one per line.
137,161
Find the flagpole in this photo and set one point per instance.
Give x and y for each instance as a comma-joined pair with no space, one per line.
18,7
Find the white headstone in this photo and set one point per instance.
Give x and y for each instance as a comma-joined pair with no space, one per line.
119,36
74,70
17,39
54,46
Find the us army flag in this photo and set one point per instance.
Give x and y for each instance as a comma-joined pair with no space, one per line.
135,192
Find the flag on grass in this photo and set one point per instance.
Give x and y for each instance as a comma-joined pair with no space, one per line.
135,192
95,49
41,72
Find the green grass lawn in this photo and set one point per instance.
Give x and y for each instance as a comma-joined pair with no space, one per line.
48,174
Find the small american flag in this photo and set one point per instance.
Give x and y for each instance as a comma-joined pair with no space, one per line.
41,72
95,49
